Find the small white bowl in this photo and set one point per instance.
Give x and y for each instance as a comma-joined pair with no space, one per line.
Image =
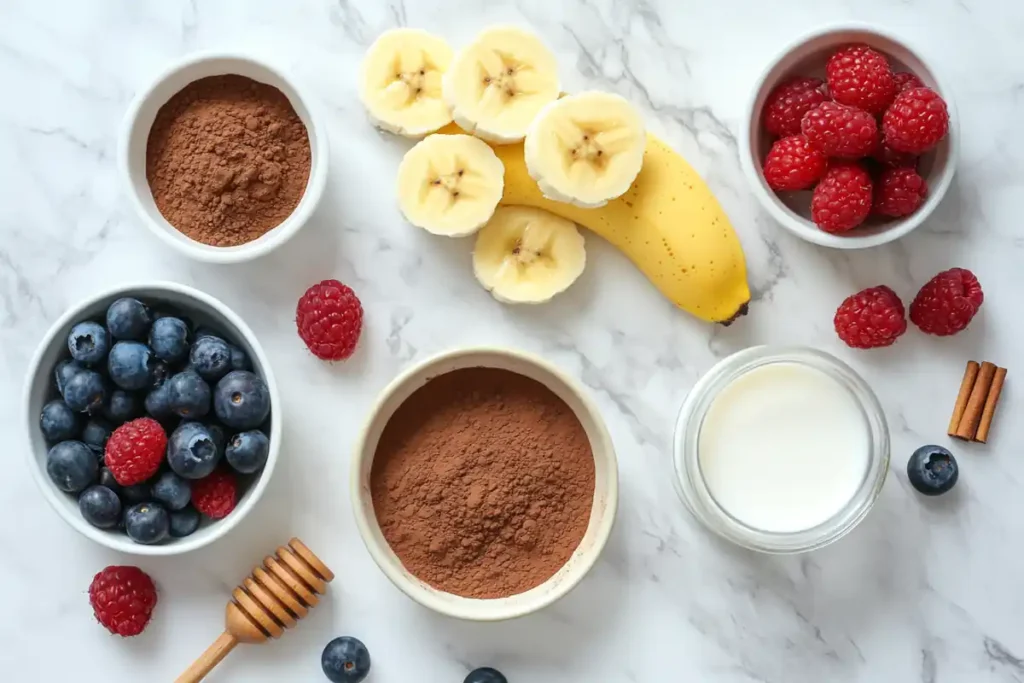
807,57
135,136
602,515
203,309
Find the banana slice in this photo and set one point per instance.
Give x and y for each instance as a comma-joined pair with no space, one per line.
400,85
586,149
526,255
449,184
498,83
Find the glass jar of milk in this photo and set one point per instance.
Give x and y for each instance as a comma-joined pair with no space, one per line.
781,450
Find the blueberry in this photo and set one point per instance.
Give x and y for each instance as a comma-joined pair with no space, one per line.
100,506
58,422
247,451
204,331
239,359
168,337
64,371
189,394
485,674
95,434
219,436
132,366
85,391
137,493
158,402
171,490
345,660
88,343
107,479
210,357
191,451
241,400
128,318
121,406
184,522
147,523
932,470
72,466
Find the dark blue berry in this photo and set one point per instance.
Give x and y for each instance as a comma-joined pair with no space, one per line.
96,433
107,479
137,493
147,523
132,366
189,394
184,522
191,451
345,660
171,490
204,331
88,343
85,391
485,674
121,406
220,437
58,422
210,357
158,402
239,358
247,451
168,337
72,466
64,371
128,318
241,400
932,470
100,506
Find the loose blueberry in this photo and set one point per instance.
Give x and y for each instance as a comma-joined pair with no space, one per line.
128,318
171,490
96,433
158,402
932,470
239,359
168,337
345,660
85,391
189,394
72,466
132,366
107,480
137,493
147,523
191,451
210,357
100,506
58,422
121,406
485,674
63,372
184,522
220,437
241,400
247,451
88,343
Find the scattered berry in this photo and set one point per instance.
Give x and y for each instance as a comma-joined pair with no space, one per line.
128,318
345,660
158,402
247,451
916,121
788,102
859,76
890,158
121,406
485,674
210,357
192,452
839,130
147,523
100,507
793,164
72,466
932,470
135,450
871,318
215,496
239,358
132,366
330,320
905,81
947,303
95,434
188,394
168,338
241,400
123,599
63,372
184,522
58,422
85,391
88,343
171,491
899,192
842,200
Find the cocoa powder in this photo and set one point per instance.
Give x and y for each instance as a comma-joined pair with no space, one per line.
483,482
227,160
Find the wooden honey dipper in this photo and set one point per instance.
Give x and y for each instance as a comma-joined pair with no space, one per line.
271,599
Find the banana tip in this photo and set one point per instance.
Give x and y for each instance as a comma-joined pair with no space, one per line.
740,312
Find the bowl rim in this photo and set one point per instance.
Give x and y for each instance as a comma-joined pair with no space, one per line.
316,129
393,571
54,497
784,216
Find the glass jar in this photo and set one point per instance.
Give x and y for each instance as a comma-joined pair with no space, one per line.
690,480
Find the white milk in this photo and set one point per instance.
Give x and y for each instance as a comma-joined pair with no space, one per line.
783,447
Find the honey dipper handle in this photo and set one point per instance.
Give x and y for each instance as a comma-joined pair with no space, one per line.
209,659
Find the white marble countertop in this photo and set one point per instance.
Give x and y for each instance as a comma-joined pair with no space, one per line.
923,590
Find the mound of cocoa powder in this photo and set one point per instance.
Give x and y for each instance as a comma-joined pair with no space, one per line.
483,482
227,159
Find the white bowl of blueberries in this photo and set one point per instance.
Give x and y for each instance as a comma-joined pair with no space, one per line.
150,420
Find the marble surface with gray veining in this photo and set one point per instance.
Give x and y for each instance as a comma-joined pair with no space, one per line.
923,590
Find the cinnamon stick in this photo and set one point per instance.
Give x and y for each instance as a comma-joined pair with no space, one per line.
968,426
990,405
966,385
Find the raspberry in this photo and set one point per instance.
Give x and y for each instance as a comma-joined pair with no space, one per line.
860,77
842,200
870,318
916,121
788,102
215,495
947,303
135,451
905,80
330,319
890,158
841,131
899,192
792,164
123,599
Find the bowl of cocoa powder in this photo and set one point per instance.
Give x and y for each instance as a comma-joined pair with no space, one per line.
223,158
484,484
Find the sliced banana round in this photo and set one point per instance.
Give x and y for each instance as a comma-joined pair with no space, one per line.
526,255
498,83
450,184
400,83
586,149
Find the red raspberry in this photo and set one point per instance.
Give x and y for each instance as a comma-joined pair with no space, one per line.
947,303
916,121
860,77
890,158
123,599
135,451
215,495
905,81
870,318
842,200
792,164
899,192
788,103
841,131
330,319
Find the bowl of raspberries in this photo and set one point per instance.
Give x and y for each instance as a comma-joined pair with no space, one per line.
851,139
151,419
